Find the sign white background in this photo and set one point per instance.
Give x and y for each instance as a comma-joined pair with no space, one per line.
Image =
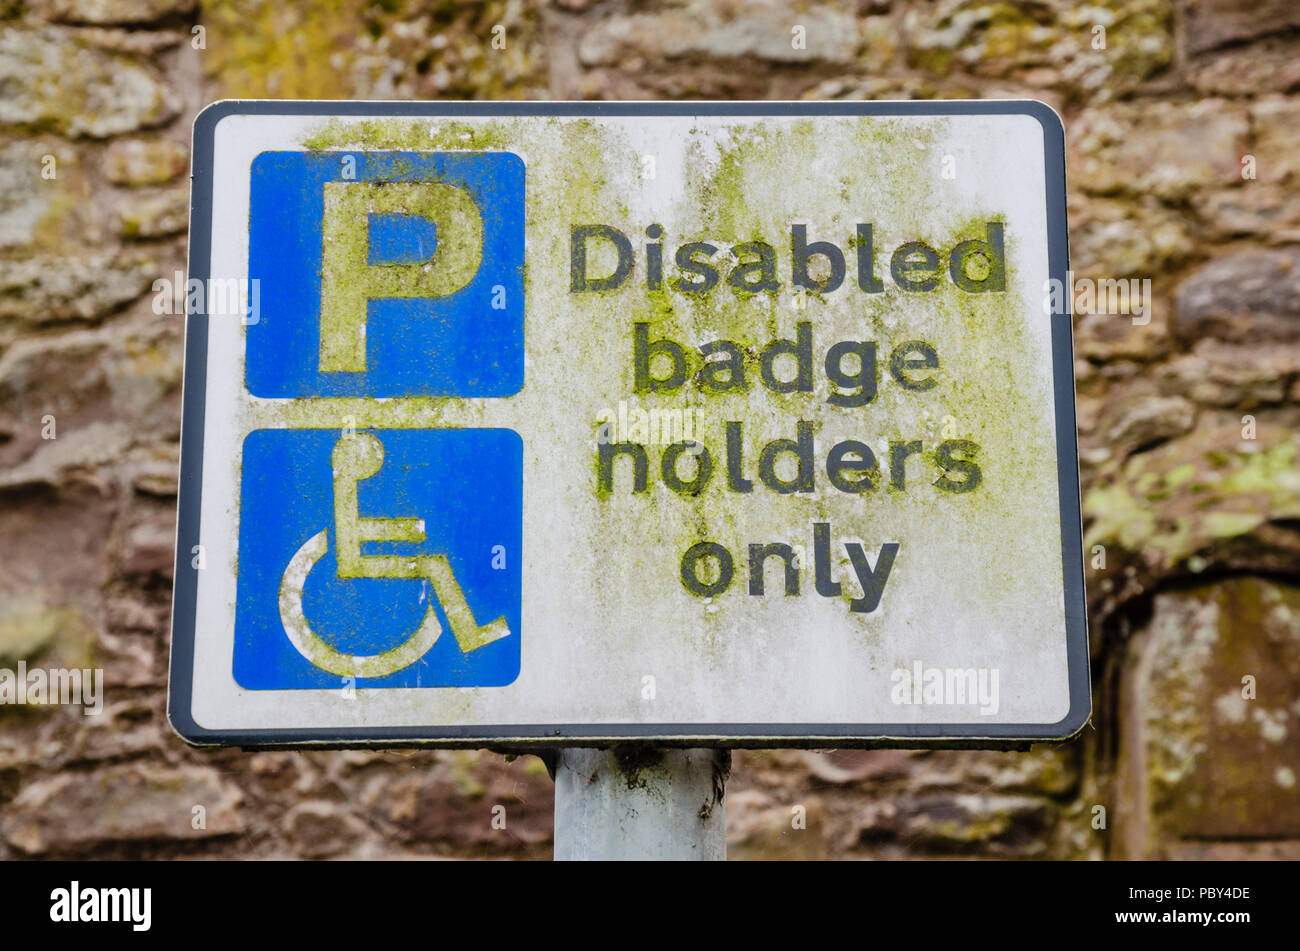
603,606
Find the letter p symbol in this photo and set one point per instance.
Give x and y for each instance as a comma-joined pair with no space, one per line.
349,281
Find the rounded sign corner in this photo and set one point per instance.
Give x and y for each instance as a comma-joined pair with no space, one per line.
211,115
183,724
1052,124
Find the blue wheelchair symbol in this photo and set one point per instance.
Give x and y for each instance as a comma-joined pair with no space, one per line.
358,551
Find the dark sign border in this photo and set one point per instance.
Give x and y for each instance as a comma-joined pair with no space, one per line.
508,736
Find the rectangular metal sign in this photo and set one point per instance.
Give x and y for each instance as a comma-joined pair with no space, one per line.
705,423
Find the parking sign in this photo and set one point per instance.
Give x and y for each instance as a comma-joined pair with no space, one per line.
699,423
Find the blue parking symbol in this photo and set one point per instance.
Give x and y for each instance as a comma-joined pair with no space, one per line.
386,273
379,558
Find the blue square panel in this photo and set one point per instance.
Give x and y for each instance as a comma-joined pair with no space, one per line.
386,274
379,558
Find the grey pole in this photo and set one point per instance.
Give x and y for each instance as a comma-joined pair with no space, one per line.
635,803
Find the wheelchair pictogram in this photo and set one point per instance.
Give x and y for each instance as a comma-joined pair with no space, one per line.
388,557
355,458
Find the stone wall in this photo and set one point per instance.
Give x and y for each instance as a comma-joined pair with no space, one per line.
1183,127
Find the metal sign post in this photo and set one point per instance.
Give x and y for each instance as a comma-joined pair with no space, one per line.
781,393
641,803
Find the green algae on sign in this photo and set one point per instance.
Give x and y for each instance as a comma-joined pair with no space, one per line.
724,196
407,134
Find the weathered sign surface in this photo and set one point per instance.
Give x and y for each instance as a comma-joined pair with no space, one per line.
703,423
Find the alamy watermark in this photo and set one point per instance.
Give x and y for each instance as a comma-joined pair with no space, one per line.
133,906
1110,297
631,423
215,297
952,686
58,685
